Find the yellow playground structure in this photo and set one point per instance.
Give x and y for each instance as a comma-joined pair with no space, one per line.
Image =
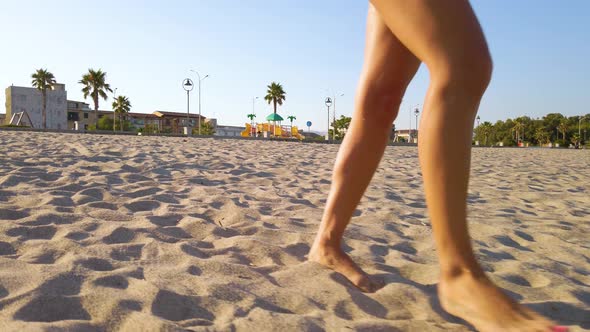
270,130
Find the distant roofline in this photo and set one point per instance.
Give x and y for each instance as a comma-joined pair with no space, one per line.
33,88
180,114
230,127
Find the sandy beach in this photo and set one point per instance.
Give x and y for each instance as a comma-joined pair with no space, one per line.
102,233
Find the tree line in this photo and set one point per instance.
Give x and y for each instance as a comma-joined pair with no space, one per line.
553,128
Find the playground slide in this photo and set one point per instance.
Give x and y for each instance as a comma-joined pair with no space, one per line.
247,131
277,131
295,133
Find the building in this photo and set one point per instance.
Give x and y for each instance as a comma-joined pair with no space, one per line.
229,131
405,134
27,100
149,123
80,112
25,105
174,122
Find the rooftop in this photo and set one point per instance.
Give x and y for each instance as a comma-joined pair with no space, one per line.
176,114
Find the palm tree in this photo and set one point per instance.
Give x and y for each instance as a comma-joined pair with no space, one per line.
121,106
575,140
563,128
542,136
43,80
251,116
486,129
518,128
95,86
275,94
291,118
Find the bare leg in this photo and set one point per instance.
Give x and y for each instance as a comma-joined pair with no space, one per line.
388,69
447,37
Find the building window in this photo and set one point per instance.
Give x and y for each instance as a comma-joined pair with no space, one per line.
73,116
85,115
85,127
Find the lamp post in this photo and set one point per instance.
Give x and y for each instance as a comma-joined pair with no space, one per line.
334,129
580,126
200,80
416,112
253,103
188,86
328,103
114,111
410,129
253,116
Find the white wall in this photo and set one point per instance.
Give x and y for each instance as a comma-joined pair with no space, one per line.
31,101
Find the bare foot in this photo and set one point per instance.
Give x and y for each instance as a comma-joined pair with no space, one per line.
478,301
337,260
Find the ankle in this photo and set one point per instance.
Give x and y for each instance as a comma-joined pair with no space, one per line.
451,273
329,239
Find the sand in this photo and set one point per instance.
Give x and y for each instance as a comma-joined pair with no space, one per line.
152,233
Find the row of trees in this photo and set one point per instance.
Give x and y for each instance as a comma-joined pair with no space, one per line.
94,85
552,128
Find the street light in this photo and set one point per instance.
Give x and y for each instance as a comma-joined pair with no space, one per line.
200,80
328,103
579,126
416,112
114,112
253,101
410,129
188,86
334,129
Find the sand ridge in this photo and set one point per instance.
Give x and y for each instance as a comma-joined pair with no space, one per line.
159,233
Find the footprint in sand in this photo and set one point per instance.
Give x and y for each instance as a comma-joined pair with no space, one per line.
10,214
77,236
41,256
176,307
96,264
54,301
118,282
166,220
524,236
120,235
194,270
32,233
140,206
127,252
6,249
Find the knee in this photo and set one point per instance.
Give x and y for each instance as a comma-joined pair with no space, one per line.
467,77
379,103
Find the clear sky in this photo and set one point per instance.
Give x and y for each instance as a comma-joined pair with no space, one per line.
541,52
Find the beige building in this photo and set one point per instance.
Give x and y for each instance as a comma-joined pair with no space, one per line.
80,112
27,100
405,134
174,122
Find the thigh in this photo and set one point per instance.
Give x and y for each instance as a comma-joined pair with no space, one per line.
443,34
388,66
